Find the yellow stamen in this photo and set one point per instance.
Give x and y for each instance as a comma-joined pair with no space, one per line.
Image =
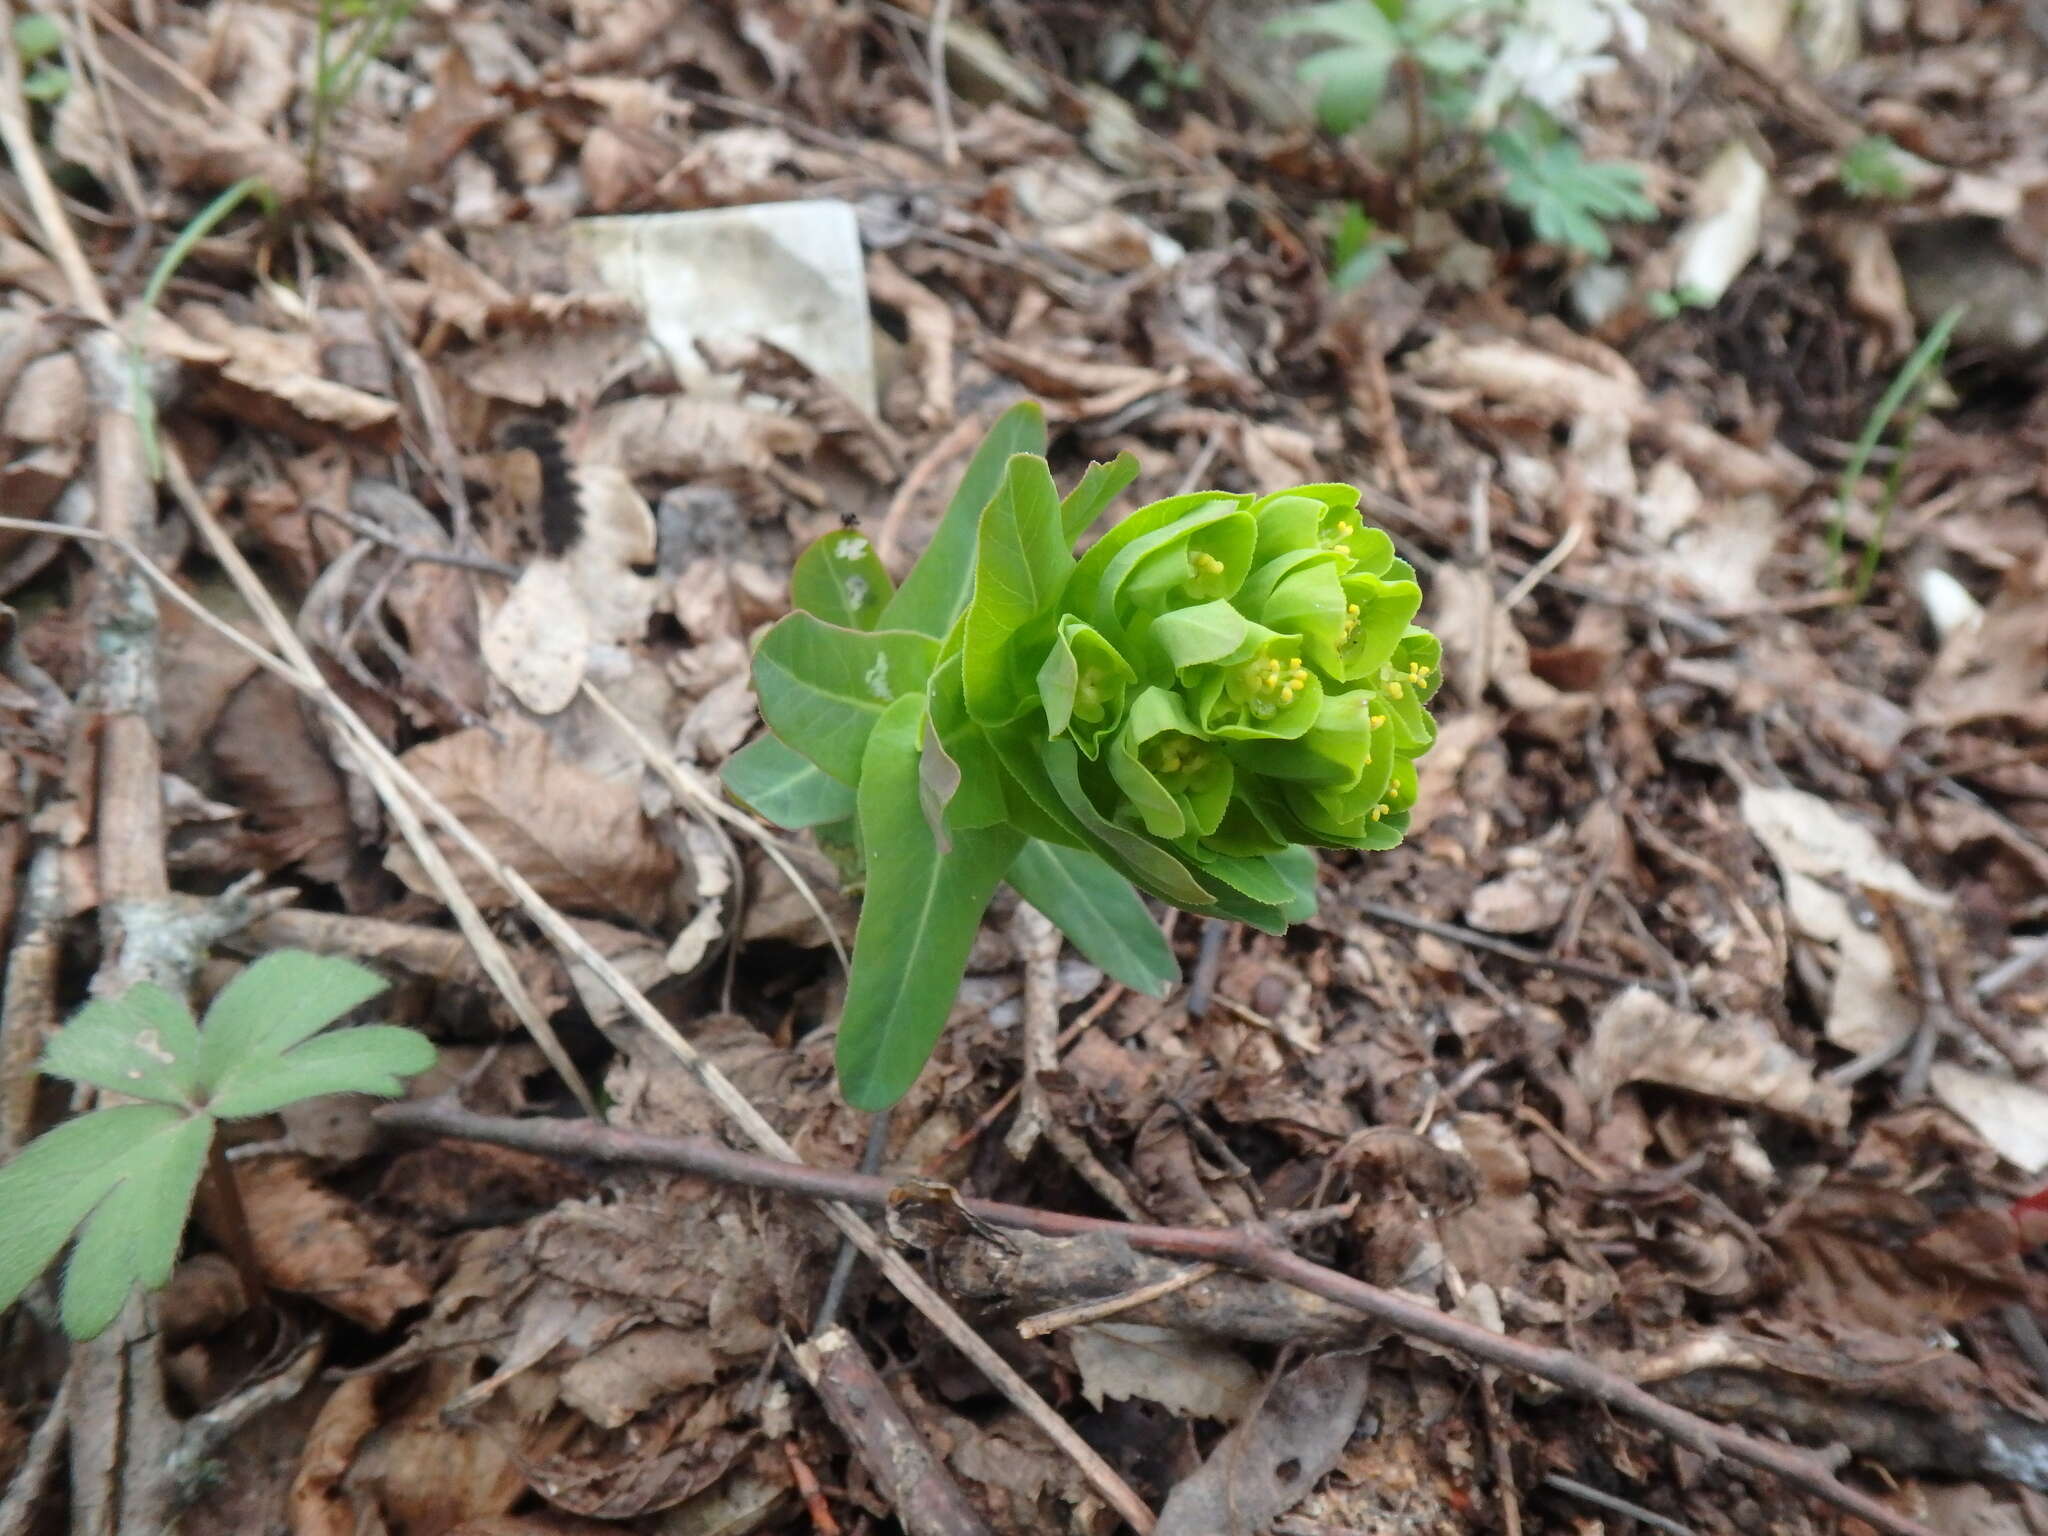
1394,691
1378,811
1342,549
1377,722
1352,610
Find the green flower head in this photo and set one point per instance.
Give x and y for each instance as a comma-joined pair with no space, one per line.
1217,685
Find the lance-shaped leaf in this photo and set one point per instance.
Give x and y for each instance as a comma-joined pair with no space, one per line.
1020,570
775,781
1098,488
823,687
917,920
841,580
1098,911
934,593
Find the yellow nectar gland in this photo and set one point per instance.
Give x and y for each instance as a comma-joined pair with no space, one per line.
1174,753
1272,684
1204,564
1379,810
1418,674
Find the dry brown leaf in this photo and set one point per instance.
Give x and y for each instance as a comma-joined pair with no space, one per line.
268,761
1272,1461
580,839
1641,1038
620,1380
276,381
544,347
1995,668
1194,1377
318,1507
675,438
311,1241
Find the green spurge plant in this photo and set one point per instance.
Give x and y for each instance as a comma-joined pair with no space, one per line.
1219,684
123,1177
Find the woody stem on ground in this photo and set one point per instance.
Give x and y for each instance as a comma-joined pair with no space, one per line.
1253,1250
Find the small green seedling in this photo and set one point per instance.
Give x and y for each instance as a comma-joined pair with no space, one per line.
39,44
1570,200
1359,248
1165,73
1670,303
335,78
1873,170
122,1178
1371,38
1910,393
1219,684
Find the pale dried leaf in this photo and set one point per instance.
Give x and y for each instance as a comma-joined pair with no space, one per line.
1641,1038
2011,1116
1194,1377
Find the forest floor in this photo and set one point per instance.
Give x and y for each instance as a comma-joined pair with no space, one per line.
1692,1032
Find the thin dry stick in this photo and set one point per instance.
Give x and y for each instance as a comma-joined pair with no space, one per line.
1254,1250
1038,946
1503,948
1115,1491
942,93
1081,1312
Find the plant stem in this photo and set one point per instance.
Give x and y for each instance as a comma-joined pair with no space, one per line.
220,1203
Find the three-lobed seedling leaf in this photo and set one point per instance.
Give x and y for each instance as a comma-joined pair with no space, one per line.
1218,683
119,1182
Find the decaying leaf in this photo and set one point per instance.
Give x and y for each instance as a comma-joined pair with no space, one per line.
312,1241
1185,1374
582,840
1641,1038
1272,1461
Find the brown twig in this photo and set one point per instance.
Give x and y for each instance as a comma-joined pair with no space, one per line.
921,1492
25,1488
1620,1506
1042,1323
1254,1250
822,1520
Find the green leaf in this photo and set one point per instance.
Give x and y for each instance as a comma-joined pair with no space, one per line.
47,83
1098,488
1021,567
56,1181
841,580
1138,856
776,781
936,589
142,1044
275,1003
917,920
1566,196
36,36
823,688
132,1236
1203,632
1097,909
371,1058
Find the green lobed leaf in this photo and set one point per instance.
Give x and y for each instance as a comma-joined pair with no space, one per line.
371,1058
1099,912
132,1236
823,687
275,1003
142,1044
776,781
52,1184
1021,567
841,580
936,590
918,918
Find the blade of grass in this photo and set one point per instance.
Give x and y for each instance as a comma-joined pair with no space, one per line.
142,405
1926,357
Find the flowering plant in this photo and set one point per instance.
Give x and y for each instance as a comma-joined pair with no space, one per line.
1219,684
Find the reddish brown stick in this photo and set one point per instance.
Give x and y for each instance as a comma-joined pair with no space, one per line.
1251,1249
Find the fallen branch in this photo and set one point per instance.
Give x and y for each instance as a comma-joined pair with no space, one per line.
920,1490
1252,1249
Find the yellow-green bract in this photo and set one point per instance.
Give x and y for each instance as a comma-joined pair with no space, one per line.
1220,683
